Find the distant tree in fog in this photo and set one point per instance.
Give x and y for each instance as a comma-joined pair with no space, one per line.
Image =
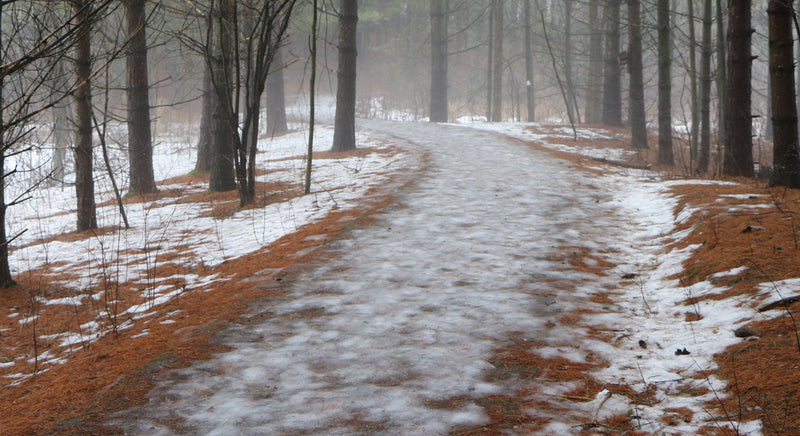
612,88
439,17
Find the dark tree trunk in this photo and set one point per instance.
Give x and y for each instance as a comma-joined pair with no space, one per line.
439,61
344,133
705,91
665,155
222,177
738,155
786,157
276,97
490,64
529,88
140,145
6,281
612,82
497,75
206,138
636,109
722,77
693,85
572,107
84,181
594,93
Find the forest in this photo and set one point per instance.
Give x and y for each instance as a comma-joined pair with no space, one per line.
160,159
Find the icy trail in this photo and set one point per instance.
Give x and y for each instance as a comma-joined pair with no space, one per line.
410,308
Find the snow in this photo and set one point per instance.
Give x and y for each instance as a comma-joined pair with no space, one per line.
411,308
166,227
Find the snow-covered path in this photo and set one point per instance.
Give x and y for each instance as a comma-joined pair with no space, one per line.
410,308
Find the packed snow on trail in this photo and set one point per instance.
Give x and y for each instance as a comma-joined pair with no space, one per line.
411,307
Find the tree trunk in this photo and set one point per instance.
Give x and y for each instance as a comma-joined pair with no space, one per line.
738,154
61,122
594,93
572,107
140,145
636,109
84,181
276,97
490,65
344,133
695,114
786,157
665,155
222,177
6,281
722,78
497,79
705,91
438,104
612,87
529,88
205,139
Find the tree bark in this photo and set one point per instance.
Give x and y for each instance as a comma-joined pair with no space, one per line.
529,88
636,109
612,87
722,77
206,135
695,114
786,157
490,65
84,181
344,133
276,97
438,109
594,93
665,155
140,145
222,177
6,281
572,107
497,79
705,91
738,153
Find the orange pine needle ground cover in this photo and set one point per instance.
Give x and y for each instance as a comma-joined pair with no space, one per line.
117,371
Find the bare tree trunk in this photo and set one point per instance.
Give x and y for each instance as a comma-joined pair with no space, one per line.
84,181
205,139
61,122
705,91
6,281
572,107
612,87
786,158
594,93
222,177
276,97
695,114
490,65
140,145
636,109
439,14
665,155
497,79
344,133
529,88
722,77
738,154
312,87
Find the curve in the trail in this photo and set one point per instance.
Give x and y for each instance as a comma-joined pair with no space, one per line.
410,308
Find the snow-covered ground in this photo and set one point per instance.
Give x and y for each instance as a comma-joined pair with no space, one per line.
412,307
166,227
